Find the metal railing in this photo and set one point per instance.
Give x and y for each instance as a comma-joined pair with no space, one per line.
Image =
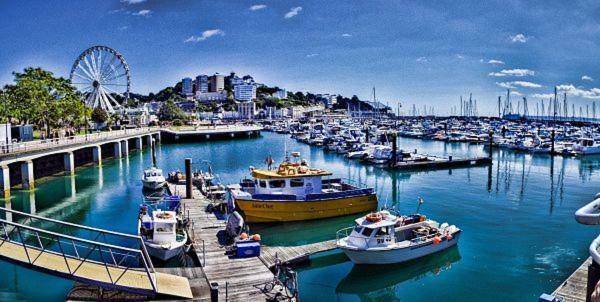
76,252
19,147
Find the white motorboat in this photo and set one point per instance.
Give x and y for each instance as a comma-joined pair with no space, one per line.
153,178
161,233
383,238
586,146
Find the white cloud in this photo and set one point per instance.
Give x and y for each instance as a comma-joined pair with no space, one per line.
143,13
257,7
495,62
517,72
346,35
312,55
459,56
123,27
542,95
518,38
422,59
514,92
205,35
293,12
586,78
132,1
570,89
514,84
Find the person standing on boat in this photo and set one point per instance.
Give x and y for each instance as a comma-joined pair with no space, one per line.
269,162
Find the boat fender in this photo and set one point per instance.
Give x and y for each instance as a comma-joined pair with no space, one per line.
448,237
436,240
255,237
243,236
422,218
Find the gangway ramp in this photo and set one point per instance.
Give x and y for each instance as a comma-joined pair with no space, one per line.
90,261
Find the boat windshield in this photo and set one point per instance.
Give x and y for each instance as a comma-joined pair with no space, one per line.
164,227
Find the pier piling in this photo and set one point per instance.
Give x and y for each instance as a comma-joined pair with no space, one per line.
394,149
188,178
491,134
552,142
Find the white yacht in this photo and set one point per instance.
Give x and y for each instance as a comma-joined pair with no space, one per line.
383,238
586,146
153,179
162,236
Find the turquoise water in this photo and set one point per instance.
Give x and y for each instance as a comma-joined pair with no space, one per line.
519,240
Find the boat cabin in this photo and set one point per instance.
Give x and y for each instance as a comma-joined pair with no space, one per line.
153,172
165,226
291,179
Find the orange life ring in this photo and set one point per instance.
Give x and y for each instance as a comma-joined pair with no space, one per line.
436,240
374,217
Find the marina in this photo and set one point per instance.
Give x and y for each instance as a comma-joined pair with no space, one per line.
299,151
511,172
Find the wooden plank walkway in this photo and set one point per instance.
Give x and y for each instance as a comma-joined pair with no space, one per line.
575,287
238,279
293,254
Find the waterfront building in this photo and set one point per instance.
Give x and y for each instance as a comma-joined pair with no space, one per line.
280,94
247,110
5,134
245,92
205,97
202,83
328,100
187,89
274,113
137,116
216,83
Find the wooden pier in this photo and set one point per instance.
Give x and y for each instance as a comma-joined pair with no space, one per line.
433,163
574,289
238,279
293,255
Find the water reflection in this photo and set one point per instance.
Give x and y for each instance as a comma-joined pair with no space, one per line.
377,283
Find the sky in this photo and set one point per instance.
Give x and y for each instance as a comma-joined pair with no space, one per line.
414,52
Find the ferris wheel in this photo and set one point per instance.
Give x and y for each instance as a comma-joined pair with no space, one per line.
101,74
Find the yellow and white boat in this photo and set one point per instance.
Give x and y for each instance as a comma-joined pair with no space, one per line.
295,192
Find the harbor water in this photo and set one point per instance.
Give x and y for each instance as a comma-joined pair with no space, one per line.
520,238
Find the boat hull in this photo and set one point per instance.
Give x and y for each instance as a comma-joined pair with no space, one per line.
280,211
398,255
153,185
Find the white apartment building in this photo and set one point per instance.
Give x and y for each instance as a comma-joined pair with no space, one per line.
206,97
244,92
247,110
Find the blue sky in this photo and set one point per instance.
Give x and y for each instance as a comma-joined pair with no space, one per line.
421,52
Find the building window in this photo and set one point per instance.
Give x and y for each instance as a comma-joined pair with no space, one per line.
296,182
277,183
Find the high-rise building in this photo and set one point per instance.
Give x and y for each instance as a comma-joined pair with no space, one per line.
244,92
234,81
217,83
202,83
186,90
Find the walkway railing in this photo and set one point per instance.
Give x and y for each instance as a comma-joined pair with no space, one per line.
19,147
87,260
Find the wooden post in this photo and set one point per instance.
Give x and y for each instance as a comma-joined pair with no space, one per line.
394,149
491,142
552,142
153,151
367,134
188,178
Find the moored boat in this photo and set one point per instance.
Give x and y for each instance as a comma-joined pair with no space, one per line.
162,233
153,179
383,238
295,191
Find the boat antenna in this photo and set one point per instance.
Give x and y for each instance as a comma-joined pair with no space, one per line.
421,201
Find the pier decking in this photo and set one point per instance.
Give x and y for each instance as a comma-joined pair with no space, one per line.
293,254
574,289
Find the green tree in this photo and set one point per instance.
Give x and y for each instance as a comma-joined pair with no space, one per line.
169,111
99,115
46,101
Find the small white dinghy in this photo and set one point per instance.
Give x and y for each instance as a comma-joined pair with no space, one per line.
162,236
383,238
153,178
